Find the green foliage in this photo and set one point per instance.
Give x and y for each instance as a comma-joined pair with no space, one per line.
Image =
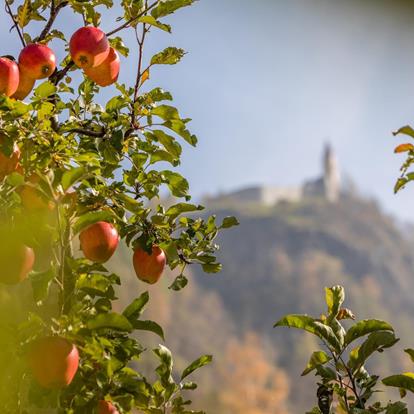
87,162
343,379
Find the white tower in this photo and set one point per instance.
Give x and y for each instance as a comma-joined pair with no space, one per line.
331,177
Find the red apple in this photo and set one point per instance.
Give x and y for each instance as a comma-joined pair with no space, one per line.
107,72
88,47
16,261
99,241
53,361
37,61
9,163
149,267
26,84
9,76
106,407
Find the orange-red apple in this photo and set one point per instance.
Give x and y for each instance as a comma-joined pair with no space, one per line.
37,61
53,361
149,267
99,241
9,163
89,47
26,84
9,76
107,72
106,407
16,260
32,198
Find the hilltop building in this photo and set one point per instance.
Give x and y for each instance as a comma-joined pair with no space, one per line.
327,186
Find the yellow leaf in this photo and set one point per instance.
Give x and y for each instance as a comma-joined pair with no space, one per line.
23,13
404,148
145,76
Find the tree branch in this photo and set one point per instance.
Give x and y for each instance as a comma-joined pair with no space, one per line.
15,23
58,75
54,11
127,23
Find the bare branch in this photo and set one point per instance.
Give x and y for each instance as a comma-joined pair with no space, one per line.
15,23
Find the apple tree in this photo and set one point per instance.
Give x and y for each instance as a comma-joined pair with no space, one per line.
74,165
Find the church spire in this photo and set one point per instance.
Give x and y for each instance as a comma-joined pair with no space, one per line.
331,177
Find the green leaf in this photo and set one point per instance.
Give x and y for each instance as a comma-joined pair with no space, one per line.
198,363
376,341
118,44
229,222
365,327
397,408
169,143
166,112
405,130
94,284
45,89
154,22
167,7
317,358
169,56
180,208
212,267
41,283
135,308
110,321
177,184
405,381
180,282
335,297
410,352
90,218
179,127
309,324
149,326
72,176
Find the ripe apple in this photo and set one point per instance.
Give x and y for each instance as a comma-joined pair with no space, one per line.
107,72
149,267
53,361
26,84
99,241
16,261
9,76
88,47
32,198
37,60
106,407
9,163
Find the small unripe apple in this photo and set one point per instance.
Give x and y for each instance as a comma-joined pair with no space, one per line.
53,361
106,407
99,241
149,267
37,60
88,47
9,76
16,261
26,84
9,163
107,72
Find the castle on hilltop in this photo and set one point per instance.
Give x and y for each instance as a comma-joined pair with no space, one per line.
328,187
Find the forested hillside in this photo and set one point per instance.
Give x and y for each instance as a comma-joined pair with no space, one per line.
278,261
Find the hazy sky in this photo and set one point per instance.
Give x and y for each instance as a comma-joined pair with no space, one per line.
268,82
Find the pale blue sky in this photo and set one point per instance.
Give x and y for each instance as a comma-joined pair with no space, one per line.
268,82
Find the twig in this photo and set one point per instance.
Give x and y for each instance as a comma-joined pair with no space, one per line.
87,132
15,23
54,11
60,74
127,23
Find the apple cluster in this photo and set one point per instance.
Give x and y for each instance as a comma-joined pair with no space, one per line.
54,360
89,49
